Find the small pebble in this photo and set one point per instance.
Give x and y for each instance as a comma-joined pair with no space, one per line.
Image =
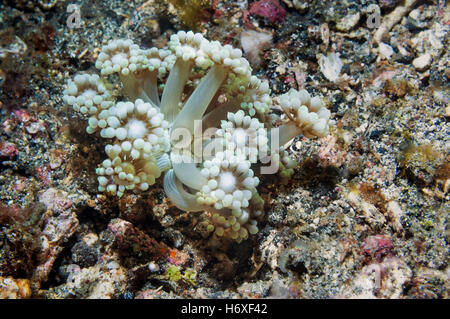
153,267
112,265
422,62
348,22
386,50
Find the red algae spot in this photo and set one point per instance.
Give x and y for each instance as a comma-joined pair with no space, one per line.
270,9
177,257
30,123
8,150
44,174
378,247
289,79
23,116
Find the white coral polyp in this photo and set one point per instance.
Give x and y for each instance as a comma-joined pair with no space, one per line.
126,171
140,123
88,95
227,182
243,135
207,82
307,115
136,129
119,56
230,182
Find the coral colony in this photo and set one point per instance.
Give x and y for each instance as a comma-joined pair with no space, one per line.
197,114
